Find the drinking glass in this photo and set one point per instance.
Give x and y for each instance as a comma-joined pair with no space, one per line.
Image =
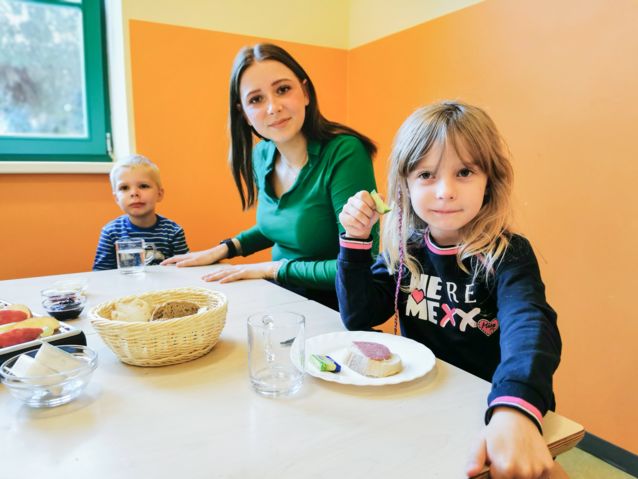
271,336
131,255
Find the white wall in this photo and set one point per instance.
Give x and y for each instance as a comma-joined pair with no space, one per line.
370,20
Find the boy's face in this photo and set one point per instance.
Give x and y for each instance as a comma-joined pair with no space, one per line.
136,192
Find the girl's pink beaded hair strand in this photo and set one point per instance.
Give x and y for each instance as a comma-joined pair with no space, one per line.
401,258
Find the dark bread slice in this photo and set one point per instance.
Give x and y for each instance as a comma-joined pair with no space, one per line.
174,309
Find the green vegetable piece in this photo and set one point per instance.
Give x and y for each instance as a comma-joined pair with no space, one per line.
380,205
325,363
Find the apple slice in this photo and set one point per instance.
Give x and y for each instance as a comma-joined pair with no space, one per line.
381,207
12,316
18,307
21,307
47,324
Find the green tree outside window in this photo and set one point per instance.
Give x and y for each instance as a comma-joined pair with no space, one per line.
53,96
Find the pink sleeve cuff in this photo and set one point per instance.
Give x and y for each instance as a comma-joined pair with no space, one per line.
521,404
354,244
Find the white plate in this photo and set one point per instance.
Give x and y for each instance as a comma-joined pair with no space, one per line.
417,359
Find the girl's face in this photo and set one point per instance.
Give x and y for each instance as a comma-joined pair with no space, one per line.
446,192
273,101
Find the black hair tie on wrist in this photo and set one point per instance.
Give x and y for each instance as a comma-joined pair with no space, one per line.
232,250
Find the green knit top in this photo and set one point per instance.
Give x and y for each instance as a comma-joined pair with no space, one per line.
302,225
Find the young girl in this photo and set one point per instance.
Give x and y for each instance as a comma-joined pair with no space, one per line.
302,173
470,289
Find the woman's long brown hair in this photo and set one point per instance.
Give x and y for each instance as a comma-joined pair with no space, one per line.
315,127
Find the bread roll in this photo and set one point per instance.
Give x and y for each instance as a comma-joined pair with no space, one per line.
131,310
373,360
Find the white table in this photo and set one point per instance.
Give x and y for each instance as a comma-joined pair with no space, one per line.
201,419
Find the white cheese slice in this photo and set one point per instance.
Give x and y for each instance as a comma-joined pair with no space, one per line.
57,359
27,367
32,371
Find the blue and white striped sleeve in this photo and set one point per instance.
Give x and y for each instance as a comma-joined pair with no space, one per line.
179,242
105,254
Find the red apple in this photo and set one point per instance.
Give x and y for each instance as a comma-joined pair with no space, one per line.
20,307
12,316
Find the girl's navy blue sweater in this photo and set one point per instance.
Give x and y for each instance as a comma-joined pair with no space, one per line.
502,330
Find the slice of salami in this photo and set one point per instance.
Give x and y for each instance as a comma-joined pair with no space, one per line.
371,350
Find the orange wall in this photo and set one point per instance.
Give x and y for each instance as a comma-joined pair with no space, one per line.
560,79
51,223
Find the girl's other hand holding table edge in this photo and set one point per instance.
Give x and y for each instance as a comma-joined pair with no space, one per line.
512,446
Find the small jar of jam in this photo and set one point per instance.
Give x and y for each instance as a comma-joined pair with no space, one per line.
63,304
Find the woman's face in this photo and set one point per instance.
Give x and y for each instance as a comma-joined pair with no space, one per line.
273,101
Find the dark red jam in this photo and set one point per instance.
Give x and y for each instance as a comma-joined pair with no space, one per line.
64,306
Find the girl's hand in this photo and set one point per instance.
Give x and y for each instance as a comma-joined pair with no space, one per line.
512,447
244,271
197,258
359,215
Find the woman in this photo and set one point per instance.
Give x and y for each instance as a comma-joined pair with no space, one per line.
301,174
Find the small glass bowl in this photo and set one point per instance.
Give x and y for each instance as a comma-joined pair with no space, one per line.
54,389
63,305
75,284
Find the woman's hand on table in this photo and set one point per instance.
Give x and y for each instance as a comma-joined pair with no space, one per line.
230,273
198,258
359,215
512,447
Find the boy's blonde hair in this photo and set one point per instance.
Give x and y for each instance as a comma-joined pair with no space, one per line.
135,161
473,135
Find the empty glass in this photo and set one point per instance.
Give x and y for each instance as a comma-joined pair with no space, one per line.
271,336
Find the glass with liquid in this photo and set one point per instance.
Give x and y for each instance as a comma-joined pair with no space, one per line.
131,255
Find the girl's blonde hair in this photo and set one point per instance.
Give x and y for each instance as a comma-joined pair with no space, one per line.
135,161
473,135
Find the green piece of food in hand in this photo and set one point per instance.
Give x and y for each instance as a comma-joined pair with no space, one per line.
380,205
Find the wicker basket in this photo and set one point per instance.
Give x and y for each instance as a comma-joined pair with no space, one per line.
170,341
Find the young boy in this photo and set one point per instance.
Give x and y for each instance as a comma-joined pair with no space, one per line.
137,188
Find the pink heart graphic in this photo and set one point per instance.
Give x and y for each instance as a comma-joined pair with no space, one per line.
418,295
488,327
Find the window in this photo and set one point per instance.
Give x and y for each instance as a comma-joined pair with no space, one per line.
53,89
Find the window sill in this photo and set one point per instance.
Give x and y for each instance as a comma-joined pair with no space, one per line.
53,167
